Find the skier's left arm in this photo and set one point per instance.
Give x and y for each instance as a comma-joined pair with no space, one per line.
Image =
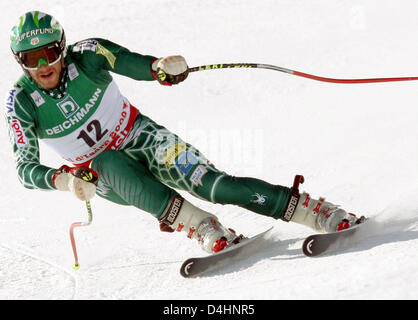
168,70
104,54
120,60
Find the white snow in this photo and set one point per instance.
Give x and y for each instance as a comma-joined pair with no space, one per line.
355,144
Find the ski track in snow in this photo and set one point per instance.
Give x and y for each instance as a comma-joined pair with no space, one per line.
27,275
354,144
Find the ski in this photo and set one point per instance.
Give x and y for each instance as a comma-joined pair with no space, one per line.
198,265
318,244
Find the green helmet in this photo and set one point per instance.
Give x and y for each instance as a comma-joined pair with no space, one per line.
35,30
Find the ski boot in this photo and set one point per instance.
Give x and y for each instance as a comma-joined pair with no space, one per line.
212,236
319,214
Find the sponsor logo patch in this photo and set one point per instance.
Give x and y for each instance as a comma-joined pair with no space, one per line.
68,106
34,41
19,135
37,98
10,103
85,45
72,71
108,55
186,161
171,213
259,199
197,175
172,153
291,208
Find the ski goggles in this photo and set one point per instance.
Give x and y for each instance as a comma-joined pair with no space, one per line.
34,59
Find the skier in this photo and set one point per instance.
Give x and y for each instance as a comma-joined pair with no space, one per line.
67,98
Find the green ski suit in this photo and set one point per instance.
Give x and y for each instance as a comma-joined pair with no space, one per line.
88,122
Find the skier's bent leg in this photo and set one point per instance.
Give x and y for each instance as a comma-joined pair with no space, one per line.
181,166
126,181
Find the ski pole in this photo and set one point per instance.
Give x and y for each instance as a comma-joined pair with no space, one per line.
296,73
79,224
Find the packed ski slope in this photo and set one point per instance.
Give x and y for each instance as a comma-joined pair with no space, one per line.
355,144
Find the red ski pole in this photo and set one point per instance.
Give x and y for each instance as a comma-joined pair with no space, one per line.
297,73
79,224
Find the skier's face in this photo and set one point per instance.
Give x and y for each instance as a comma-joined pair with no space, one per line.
48,77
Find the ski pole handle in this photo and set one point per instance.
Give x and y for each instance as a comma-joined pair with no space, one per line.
296,73
79,224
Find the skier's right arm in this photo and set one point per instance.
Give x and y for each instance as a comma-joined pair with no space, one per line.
21,125
21,121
